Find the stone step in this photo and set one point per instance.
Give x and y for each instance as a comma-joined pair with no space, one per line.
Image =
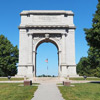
48,79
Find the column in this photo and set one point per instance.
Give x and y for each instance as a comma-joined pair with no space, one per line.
63,48
30,59
34,63
70,44
63,67
59,63
30,56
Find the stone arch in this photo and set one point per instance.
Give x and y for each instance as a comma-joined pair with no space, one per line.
47,40
37,27
39,42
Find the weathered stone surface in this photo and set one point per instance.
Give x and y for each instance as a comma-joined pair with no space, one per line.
56,27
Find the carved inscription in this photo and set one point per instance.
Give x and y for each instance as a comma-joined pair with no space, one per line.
46,18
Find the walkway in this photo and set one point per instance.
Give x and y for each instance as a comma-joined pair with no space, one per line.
47,91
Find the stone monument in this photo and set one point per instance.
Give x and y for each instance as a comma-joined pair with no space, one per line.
55,26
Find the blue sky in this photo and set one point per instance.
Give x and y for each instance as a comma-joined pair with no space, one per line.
10,20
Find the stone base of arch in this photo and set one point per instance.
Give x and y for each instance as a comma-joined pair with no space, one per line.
65,70
25,71
68,70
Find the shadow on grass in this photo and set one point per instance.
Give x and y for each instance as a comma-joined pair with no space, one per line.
97,82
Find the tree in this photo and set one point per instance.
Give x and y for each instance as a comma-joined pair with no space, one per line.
93,34
83,66
8,57
94,61
90,65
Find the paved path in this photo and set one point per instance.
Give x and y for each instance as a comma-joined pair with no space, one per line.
47,91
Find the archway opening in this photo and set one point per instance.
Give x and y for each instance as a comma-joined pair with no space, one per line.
47,51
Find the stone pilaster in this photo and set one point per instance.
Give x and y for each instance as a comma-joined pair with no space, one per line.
59,63
30,56
30,47
34,63
63,48
63,66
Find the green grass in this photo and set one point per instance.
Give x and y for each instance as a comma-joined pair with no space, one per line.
35,83
12,91
89,78
59,84
82,91
12,79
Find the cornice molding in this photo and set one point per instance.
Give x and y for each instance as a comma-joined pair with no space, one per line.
47,26
46,12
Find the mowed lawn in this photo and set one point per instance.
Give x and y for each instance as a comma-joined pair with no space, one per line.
81,91
12,79
13,91
88,78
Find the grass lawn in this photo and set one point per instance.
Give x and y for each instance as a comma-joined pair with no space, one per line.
82,91
12,91
88,78
12,79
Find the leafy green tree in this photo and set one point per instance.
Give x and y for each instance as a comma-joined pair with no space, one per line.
83,66
8,57
90,65
93,34
94,61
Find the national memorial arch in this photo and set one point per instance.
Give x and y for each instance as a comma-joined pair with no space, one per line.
38,26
